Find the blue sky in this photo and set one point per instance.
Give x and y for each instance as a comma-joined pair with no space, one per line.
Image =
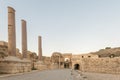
66,26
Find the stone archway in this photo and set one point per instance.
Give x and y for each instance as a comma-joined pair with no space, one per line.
76,66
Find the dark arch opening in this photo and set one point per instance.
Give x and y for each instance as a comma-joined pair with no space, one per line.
66,65
76,66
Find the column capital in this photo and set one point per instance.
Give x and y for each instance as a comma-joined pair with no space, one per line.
11,10
39,36
23,20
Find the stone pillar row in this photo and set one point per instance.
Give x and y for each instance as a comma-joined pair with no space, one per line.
12,36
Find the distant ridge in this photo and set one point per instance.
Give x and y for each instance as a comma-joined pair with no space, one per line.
108,52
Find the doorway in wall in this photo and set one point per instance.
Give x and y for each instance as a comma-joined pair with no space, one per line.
76,66
66,65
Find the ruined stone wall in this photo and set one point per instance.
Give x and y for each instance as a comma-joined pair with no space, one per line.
101,65
7,66
76,59
3,49
40,66
47,60
53,66
18,54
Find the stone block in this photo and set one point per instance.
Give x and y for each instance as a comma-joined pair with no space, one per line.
12,64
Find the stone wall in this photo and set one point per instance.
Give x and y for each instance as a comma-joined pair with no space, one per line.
40,65
101,65
3,49
14,65
18,54
54,66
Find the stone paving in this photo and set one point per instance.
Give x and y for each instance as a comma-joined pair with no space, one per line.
64,74
60,74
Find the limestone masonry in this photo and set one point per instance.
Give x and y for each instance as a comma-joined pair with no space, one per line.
12,61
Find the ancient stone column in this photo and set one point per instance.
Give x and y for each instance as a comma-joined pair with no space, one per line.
40,48
11,32
24,39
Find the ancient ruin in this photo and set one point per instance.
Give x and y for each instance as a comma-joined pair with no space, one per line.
12,61
24,39
40,48
11,32
9,62
39,64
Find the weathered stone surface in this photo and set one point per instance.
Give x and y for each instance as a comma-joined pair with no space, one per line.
3,49
24,39
101,65
13,64
40,65
18,54
40,48
31,55
54,66
11,32
46,60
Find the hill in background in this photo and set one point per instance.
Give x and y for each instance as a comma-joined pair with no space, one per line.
108,52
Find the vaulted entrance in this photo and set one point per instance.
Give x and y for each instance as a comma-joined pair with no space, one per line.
76,66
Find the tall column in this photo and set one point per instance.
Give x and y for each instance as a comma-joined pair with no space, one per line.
11,32
24,39
40,48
